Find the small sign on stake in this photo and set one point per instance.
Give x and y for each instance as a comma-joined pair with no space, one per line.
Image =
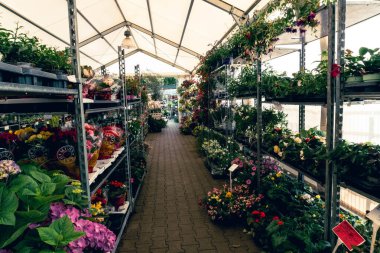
348,235
374,216
231,170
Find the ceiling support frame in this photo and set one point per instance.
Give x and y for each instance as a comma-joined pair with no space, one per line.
125,20
117,59
164,60
184,29
43,29
253,5
98,32
140,29
151,25
234,11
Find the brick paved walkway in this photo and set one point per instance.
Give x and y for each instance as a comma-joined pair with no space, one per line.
168,218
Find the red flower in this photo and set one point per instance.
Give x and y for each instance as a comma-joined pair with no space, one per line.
280,223
262,215
335,70
255,212
307,139
248,35
257,220
276,218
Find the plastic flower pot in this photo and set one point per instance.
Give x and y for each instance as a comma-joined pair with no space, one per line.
354,79
92,161
371,77
117,201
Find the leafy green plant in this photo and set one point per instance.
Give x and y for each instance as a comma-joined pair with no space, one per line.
352,64
371,60
156,125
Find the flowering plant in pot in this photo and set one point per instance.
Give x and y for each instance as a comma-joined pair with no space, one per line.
8,145
353,67
94,137
371,61
117,193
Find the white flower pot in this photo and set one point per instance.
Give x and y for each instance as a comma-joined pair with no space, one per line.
354,79
371,77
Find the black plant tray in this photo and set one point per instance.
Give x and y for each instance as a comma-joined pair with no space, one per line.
247,94
300,99
362,87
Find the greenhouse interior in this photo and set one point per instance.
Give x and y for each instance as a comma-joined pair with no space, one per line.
189,126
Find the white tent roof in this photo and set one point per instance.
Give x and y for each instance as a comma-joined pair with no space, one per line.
176,32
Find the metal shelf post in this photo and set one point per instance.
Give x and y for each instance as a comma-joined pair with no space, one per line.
330,182
79,110
301,108
259,124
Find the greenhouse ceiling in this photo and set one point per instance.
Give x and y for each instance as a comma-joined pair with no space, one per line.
176,32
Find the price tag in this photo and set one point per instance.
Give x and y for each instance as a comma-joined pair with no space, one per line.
6,128
374,215
348,235
233,168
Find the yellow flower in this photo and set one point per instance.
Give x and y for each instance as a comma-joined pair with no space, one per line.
76,183
39,136
10,131
77,191
297,140
228,195
276,149
278,174
318,197
272,178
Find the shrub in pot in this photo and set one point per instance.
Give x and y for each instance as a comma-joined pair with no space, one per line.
371,62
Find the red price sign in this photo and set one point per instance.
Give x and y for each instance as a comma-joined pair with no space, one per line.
348,235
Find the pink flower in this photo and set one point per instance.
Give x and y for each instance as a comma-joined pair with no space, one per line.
241,164
254,168
248,181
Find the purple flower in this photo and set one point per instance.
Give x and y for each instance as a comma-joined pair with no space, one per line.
132,180
311,16
288,29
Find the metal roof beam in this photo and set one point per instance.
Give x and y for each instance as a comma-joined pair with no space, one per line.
43,29
122,14
140,29
253,5
227,7
165,61
184,28
151,25
93,27
117,59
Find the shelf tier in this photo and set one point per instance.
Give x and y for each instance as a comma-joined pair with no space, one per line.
36,105
361,96
105,109
120,231
138,189
297,101
17,89
133,102
356,12
123,208
286,166
360,192
106,170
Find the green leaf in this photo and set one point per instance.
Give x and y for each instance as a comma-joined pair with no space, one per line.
50,236
47,188
8,206
39,176
20,182
10,234
33,216
66,228
40,201
60,233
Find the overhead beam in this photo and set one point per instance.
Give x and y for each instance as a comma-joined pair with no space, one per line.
164,60
253,5
117,59
184,29
43,29
140,29
122,14
151,25
227,7
93,27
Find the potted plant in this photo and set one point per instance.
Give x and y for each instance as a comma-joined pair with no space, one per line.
117,193
371,62
353,67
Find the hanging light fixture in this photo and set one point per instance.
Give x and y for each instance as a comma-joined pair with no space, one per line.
128,41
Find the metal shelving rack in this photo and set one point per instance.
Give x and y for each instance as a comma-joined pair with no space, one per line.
55,100
334,98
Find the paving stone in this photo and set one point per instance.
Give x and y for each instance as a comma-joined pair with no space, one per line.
167,217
